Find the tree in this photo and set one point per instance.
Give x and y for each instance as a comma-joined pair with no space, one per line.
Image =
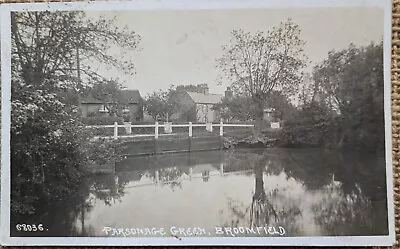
160,104
54,45
189,88
307,90
260,63
350,82
48,145
343,106
108,91
235,108
163,103
282,105
242,108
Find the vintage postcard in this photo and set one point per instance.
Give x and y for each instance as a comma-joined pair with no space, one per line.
196,122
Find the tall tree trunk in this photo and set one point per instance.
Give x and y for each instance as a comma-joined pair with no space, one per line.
257,212
258,126
259,193
259,117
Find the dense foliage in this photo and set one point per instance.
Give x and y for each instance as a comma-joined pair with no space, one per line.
346,107
243,108
101,120
51,55
46,45
48,148
162,104
310,126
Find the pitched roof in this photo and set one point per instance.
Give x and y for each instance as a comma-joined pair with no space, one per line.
205,98
200,168
90,100
127,96
131,96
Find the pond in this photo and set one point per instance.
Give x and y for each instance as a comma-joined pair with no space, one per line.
283,192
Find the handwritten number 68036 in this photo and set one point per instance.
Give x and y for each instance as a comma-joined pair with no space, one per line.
29,227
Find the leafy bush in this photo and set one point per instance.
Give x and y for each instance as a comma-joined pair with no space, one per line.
311,126
48,148
101,120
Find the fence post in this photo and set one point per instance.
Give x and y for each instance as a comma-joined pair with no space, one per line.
221,134
156,130
190,129
168,127
190,136
209,127
129,130
157,176
115,130
156,138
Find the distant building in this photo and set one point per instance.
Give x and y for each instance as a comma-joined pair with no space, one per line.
197,106
130,103
134,104
89,105
269,114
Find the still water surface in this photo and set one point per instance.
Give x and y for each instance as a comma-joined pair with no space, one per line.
308,192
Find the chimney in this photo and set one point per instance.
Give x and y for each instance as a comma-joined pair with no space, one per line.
228,93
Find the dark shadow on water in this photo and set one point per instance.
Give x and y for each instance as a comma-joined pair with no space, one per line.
309,192
350,187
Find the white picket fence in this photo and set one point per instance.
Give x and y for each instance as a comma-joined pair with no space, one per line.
168,128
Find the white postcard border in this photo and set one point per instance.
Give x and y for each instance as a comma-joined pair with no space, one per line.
6,9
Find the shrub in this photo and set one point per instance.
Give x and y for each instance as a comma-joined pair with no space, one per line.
48,148
311,126
96,120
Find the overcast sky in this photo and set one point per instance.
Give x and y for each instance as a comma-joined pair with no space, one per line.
180,47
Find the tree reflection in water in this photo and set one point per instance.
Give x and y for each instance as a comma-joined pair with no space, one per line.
267,208
338,212
165,174
343,190
346,206
170,176
351,186
340,193
103,187
107,188
68,217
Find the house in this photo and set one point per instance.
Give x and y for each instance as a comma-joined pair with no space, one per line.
133,104
197,106
129,103
202,106
90,105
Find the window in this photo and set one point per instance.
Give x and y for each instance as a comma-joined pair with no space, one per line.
103,109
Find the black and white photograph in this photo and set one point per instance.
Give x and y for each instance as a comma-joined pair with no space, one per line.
196,123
